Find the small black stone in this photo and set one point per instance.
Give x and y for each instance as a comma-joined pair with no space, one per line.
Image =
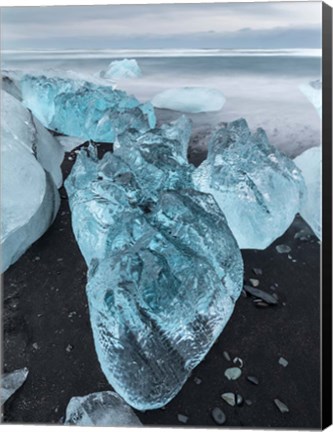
218,416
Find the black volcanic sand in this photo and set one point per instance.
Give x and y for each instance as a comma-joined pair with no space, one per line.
46,328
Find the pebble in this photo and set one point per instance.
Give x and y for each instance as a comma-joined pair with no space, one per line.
35,346
257,271
232,373
218,416
266,297
226,355
281,406
239,399
197,380
283,362
261,304
230,398
69,348
254,282
248,402
282,248
182,418
252,379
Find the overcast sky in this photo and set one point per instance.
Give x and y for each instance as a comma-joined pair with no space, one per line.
233,25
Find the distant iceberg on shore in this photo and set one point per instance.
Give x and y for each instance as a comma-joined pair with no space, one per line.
127,68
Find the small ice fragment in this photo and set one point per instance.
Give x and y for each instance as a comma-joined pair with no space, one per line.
190,99
100,409
281,406
126,68
197,380
69,143
10,382
248,402
233,373
230,398
282,248
218,416
283,362
254,282
239,399
182,418
257,271
239,361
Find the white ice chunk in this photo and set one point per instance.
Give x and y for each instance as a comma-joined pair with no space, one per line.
11,382
310,162
100,409
313,91
69,143
30,199
20,125
190,99
127,68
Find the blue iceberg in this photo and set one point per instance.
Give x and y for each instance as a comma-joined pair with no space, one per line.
310,163
258,188
120,69
84,109
164,268
100,409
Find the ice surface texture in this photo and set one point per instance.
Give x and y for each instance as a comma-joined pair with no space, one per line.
30,199
310,163
11,382
127,68
258,188
84,109
313,91
164,267
100,409
190,99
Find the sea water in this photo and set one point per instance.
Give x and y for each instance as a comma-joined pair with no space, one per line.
261,86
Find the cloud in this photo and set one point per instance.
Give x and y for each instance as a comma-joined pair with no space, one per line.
146,26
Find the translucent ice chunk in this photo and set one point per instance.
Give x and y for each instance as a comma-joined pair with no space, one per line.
313,91
127,68
164,268
20,126
30,200
258,188
100,409
190,99
310,162
84,109
10,382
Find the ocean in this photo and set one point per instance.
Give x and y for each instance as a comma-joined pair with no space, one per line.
261,86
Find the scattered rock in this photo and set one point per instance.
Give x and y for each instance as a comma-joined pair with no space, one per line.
281,406
283,362
282,248
254,282
230,398
268,298
226,356
252,379
232,373
218,416
257,271
182,418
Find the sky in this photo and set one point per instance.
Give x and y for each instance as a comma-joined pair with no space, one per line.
188,26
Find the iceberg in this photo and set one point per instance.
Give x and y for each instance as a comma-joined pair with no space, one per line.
11,382
100,409
84,109
30,199
258,188
164,268
127,68
310,163
313,91
190,99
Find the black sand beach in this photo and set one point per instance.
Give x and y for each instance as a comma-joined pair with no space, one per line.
46,328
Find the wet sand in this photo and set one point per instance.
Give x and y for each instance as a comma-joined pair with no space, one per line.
46,328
